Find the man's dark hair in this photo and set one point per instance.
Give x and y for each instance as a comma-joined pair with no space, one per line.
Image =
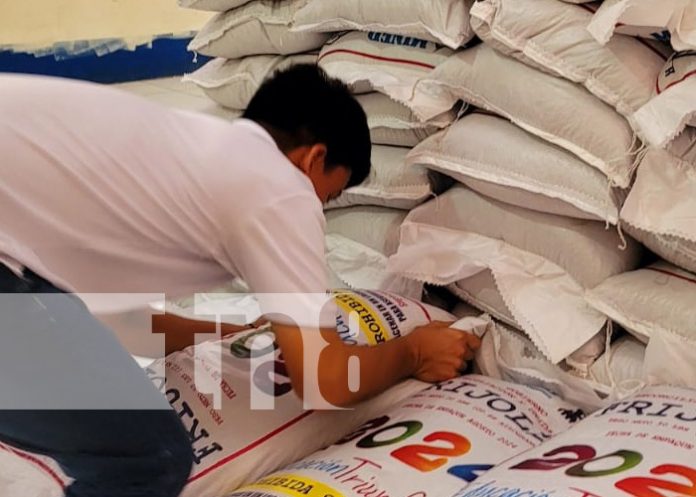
302,105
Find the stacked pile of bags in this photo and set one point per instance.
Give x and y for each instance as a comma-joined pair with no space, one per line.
577,145
575,136
565,111
380,52
545,168
577,153
249,40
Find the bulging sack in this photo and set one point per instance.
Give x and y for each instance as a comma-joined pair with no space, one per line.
374,227
535,259
389,64
353,265
659,211
392,123
537,102
232,447
638,447
470,423
442,21
481,291
553,37
233,83
499,160
358,242
261,27
622,365
670,20
391,183
23,474
657,300
672,108
508,355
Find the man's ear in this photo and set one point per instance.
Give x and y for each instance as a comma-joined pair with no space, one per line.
316,158
308,158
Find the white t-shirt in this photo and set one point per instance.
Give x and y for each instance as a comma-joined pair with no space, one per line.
103,191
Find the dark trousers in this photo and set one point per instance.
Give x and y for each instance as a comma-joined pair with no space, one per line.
68,390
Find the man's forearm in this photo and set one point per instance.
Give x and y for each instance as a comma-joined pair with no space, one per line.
326,358
379,369
179,332
137,330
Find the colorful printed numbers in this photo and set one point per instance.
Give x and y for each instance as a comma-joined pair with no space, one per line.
584,458
436,451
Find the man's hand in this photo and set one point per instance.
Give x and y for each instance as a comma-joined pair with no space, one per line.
430,353
440,352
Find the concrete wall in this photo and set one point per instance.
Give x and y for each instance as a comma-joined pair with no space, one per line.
35,24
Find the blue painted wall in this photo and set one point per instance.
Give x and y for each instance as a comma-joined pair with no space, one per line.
163,57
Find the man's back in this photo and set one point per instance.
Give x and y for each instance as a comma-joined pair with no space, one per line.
145,200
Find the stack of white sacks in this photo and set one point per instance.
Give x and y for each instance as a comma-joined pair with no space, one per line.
541,182
579,136
533,233
249,41
381,61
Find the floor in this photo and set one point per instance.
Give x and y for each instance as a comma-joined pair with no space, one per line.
175,93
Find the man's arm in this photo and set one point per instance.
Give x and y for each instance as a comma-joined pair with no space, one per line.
430,353
137,329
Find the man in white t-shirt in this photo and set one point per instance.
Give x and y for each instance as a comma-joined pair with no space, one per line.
103,192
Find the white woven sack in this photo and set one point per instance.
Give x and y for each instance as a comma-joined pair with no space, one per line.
673,20
660,209
639,446
212,5
553,37
673,107
537,102
508,355
541,263
23,474
443,21
234,444
498,159
392,123
470,423
233,83
481,291
622,366
372,61
358,242
353,265
374,227
260,27
656,300
391,182
654,33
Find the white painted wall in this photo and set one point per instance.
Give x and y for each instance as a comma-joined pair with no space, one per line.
41,23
